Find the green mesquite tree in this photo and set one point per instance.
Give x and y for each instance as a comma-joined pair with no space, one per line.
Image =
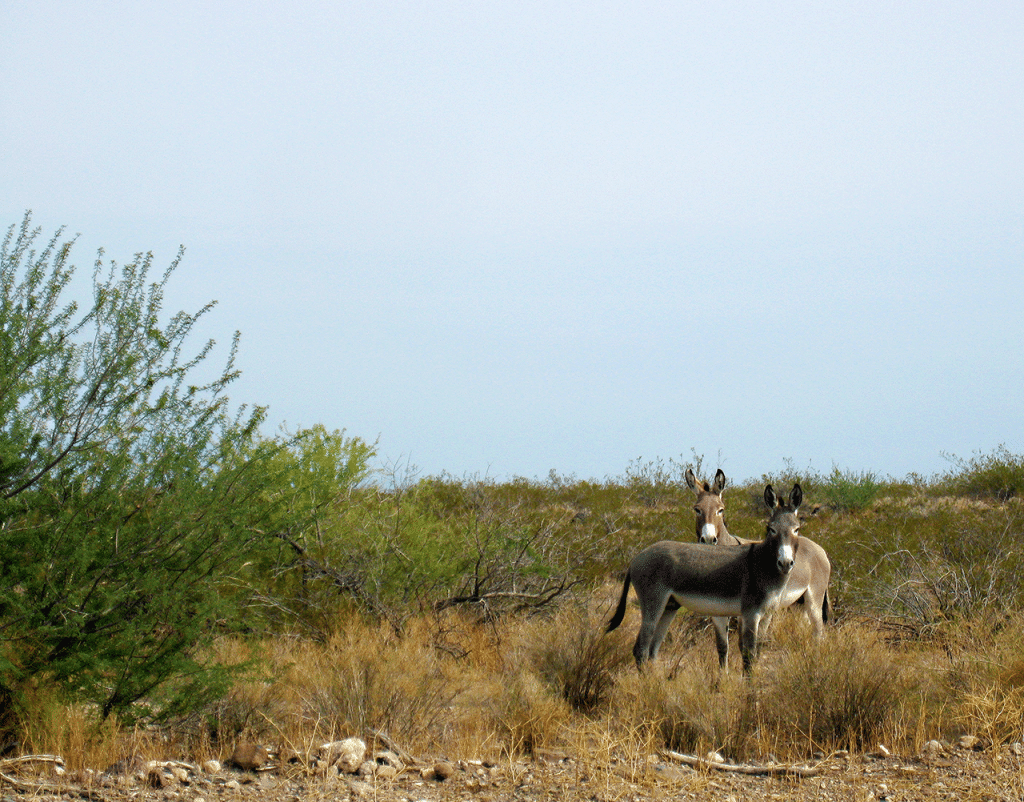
129,496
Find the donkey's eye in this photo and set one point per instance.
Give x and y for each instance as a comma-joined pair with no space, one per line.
697,510
721,511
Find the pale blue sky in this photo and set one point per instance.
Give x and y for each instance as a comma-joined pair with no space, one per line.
507,238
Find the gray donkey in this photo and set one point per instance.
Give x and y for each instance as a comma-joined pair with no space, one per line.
745,581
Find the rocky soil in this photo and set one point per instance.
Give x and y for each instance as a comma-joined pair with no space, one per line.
963,771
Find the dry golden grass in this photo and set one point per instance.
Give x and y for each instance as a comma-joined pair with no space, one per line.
456,688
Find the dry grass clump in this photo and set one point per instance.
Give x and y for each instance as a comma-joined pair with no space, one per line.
72,732
574,656
849,690
986,680
846,690
527,715
695,709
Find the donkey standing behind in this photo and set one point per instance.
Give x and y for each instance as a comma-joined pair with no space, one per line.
744,581
808,581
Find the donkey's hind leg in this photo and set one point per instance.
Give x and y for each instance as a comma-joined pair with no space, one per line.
817,610
660,631
721,626
656,612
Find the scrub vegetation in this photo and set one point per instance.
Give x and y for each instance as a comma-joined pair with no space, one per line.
173,578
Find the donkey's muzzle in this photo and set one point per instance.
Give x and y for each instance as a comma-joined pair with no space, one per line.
786,559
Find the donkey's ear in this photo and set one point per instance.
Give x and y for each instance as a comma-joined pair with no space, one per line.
769,497
796,496
691,480
719,483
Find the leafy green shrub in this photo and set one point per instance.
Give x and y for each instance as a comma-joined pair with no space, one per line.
849,491
130,492
927,565
999,475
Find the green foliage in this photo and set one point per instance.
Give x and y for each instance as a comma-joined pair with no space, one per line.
123,497
311,482
999,475
749,495
849,491
924,561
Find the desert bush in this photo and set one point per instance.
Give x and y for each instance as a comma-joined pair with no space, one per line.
999,475
131,490
657,481
926,568
366,679
986,678
849,491
575,657
846,690
528,716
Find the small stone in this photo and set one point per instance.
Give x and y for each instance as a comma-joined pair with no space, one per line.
233,785
385,772
360,789
443,771
155,778
248,757
347,755
367,769
932,747
968,742
212,766
716,757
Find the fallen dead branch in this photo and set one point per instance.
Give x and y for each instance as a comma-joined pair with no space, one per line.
28,786
743,768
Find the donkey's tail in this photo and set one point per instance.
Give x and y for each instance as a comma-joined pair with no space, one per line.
620,611
826,607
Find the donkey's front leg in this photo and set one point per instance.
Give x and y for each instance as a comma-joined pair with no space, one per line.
748,640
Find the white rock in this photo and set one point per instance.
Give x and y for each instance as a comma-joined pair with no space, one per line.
348,754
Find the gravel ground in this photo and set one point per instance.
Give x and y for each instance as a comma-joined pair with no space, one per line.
949,773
